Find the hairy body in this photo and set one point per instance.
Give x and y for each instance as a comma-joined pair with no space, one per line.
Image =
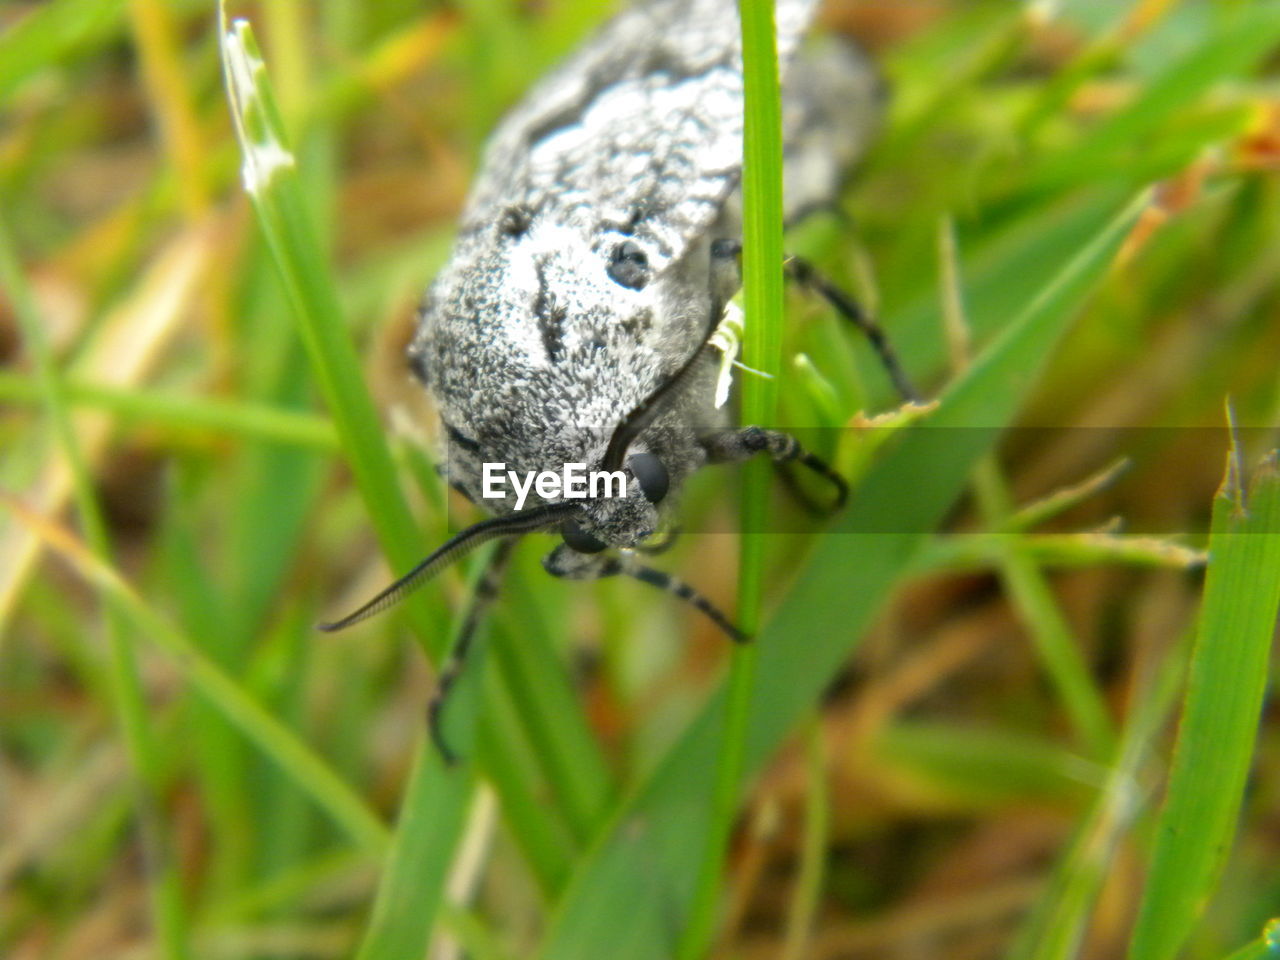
576,321
598,247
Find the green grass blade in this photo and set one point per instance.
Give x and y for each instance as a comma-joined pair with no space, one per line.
545,840
282,213
49,33
981,767
273,186
803,910
184,413
630,895
762,285
413,883
1066,550
1051,635
417,869
1239,40
575,765
1225,686
762,290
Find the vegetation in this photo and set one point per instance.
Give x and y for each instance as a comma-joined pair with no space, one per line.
997,706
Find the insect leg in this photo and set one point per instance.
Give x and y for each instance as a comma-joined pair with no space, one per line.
734,446
666,581
805,274
481,599
799,494
809,277
568,564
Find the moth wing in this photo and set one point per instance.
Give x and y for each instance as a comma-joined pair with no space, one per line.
639,134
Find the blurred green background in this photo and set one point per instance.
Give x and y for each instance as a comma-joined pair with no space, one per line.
961,743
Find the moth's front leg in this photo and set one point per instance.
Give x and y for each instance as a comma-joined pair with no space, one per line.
565,563
734,446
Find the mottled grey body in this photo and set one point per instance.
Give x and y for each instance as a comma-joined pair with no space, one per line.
587,271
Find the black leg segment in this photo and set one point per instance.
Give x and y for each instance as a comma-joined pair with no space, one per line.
805,274
477,606
808,276
568,564
734,446
665,581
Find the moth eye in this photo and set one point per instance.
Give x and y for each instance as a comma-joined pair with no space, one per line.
651,475
515,222
723,248
578,539
629,265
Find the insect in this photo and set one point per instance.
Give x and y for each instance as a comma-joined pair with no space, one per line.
576,322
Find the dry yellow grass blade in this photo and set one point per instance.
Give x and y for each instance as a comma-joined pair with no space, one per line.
133,338
168,87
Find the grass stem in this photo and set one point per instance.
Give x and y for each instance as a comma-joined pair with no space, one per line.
763,292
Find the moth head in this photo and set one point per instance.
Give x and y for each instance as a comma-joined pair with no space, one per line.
629,521
625,521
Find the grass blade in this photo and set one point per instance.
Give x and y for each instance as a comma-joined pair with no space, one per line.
272,184
416,873
184,413
1225,685
1044,620
1060,922
417,868
282,213
762,290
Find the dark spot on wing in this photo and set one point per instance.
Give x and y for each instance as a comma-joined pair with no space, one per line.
553,123
418,367
460,438
550,316
515,221
629,265
626,227
658,60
